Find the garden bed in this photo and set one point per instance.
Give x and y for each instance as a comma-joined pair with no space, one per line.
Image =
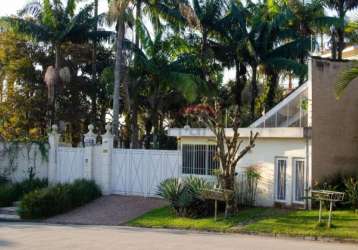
259,221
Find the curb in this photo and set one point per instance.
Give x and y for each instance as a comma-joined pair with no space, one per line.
298,237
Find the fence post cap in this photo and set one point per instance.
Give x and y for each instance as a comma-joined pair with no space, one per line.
90,137
90,128
54,128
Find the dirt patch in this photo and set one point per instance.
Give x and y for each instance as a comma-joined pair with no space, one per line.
109,210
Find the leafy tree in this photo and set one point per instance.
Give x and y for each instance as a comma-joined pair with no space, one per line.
23,96
53,23
116,14
229,150
163,75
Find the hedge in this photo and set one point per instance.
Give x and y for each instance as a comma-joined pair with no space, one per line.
11,192
57,199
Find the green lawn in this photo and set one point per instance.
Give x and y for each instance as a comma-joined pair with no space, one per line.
258,220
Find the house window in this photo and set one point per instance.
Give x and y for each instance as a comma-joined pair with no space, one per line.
281,169
299,170
199,159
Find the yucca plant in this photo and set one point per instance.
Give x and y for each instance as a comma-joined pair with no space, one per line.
173,190
184,196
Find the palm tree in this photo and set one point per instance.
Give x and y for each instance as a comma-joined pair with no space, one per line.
53,23
94,64
341,7
116,14
163,76
201,16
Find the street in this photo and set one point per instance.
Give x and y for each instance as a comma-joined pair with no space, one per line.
31,236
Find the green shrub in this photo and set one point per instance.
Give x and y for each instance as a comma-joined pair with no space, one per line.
45,202
184,196
246,187
83,191
11,192
352,192
342,183
7,195
57,199
3,180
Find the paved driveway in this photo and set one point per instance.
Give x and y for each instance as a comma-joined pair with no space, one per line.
109,210
57,237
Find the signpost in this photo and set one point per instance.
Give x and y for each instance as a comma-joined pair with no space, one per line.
217,194
326,195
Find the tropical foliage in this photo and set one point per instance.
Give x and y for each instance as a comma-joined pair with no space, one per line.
184,196
141,63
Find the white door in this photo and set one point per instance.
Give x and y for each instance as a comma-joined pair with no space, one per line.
298,180
280,179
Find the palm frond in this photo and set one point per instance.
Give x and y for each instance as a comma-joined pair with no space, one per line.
28,27
33,8
345,78
285,64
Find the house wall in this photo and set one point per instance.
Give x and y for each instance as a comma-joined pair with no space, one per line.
263,156
334,122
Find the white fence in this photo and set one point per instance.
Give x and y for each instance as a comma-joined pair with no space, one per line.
139,172
70,164
116,171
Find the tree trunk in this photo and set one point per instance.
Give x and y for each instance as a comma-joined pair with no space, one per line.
228,182
134,108
340,30
240,85
271,95
117,76
155,124
53,109
134,127
254,91
340,46
94,66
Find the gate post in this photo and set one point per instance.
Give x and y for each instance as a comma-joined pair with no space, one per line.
107,148
53,140
90,142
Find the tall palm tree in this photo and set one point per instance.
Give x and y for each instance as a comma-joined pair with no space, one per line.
341,7
94,63
116,14
269,44
201,16
163,75
53,23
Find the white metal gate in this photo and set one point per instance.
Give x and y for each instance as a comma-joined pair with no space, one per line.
139,172
70,164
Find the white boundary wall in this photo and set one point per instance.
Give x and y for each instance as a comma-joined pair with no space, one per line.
23,157
116,171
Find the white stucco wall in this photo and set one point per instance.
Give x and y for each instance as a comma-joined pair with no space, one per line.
264,155
26,156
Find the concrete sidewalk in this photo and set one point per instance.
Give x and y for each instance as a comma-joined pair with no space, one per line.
16,236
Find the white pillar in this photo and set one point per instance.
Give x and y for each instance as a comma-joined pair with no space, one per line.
107,148
90,142
53,139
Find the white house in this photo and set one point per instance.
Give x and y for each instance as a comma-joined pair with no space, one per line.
298,144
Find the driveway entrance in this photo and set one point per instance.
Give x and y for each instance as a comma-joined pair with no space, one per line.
109,210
